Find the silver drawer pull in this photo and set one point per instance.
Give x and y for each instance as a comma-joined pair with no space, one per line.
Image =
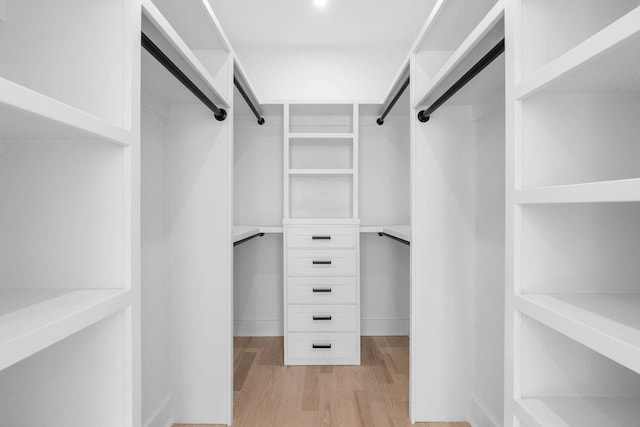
320,237
321,317
316,262
317,346
321,290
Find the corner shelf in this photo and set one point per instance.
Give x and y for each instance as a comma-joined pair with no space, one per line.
618,39
26,114
34,319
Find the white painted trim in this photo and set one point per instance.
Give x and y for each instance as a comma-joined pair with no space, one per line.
480,417
161,417
384,327
258,328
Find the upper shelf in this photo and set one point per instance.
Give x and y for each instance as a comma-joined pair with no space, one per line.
25,114
608,61
625,190
57,84
211,78
33,319
484,36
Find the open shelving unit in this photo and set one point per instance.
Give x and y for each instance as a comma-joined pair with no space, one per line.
574,210
68,151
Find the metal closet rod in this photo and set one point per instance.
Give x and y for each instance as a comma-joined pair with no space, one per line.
219,113
404,86
395,238
248,101
492,55
247,238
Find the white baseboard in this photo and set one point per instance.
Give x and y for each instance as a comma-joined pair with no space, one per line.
275,328
258,328
384,327
161,417
480,416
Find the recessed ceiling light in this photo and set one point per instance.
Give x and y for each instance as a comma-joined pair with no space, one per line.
320,3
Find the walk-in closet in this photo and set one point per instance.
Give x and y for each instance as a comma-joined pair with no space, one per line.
319,213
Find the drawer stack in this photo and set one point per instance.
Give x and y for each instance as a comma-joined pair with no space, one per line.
322,294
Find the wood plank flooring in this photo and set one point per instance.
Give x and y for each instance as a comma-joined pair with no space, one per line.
375,394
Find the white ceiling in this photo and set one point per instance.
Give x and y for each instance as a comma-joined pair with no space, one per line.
341,23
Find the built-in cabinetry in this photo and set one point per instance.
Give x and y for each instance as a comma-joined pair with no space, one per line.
457,218
321,235
573,214
69,151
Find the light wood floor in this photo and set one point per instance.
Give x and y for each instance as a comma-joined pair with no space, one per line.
375,394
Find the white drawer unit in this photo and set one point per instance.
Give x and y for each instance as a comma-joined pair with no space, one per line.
322,318
322,290
322,295
323,348
315,237
321,262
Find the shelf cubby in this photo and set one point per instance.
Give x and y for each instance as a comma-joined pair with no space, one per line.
579,138
551,28
84,64
563,383
328,196
321,120
79,381
320,153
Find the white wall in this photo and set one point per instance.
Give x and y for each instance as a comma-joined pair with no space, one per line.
320,74
490,205
155,291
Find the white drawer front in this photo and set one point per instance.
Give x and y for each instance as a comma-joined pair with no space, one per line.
328,262
314,347
324,236
322,318
322,290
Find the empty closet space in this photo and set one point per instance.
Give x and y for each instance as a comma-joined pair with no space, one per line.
186,260
68,299
573,331
458,213
258,204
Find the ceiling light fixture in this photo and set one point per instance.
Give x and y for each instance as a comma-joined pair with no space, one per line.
320,3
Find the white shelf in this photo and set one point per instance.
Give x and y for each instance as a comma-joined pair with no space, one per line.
606,323
34,319
578,412
318,135
26,114
400,231
320,171
243,231
626,190
465,49
151,12
606,62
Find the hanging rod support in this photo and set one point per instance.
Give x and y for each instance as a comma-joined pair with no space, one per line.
247,238
404,86
493,54
404,242
248,101
219,113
